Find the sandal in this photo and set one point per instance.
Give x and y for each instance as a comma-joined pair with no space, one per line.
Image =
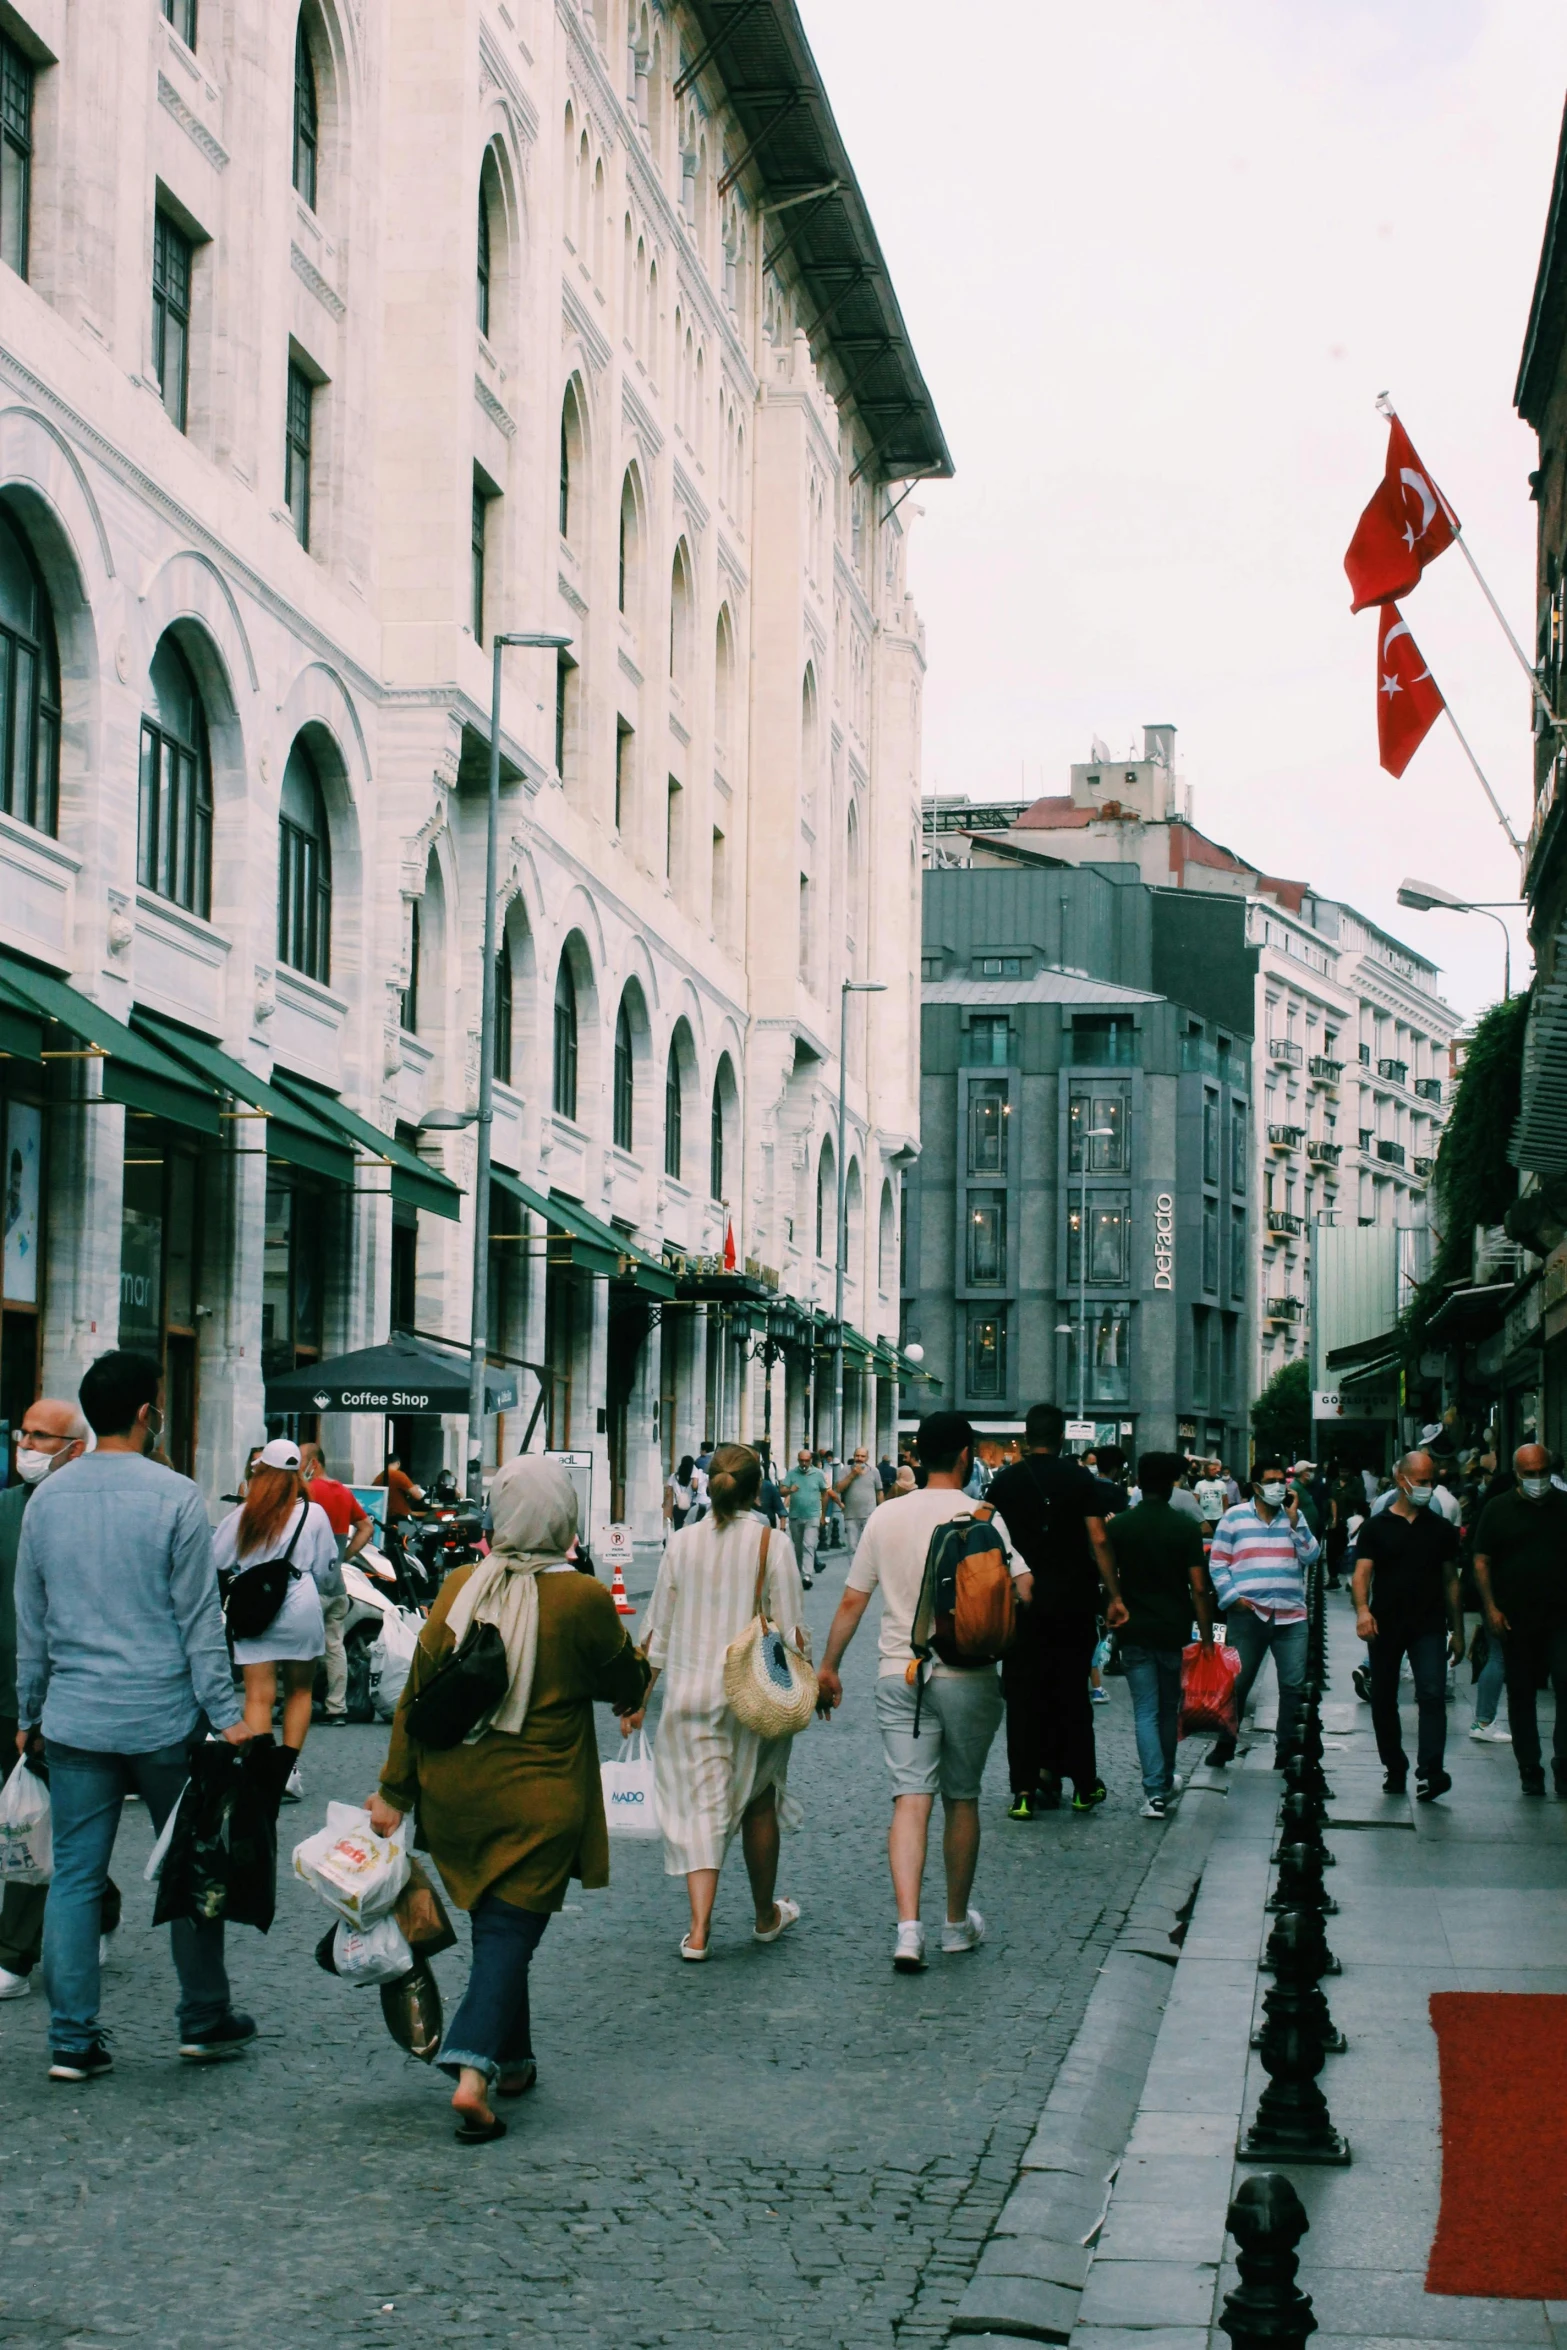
518,2082
788,1915
475,2133
692,1957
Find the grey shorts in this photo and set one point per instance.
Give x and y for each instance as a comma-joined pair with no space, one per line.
960,1716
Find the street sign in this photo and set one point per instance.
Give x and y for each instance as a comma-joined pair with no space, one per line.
1082,1431
579,1468
1327,1404
619,1548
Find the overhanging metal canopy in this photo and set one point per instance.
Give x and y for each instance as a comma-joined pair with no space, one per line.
595,1247
789,138
413,1183
135,1072
293,1135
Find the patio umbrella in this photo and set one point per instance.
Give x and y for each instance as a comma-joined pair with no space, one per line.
401,1377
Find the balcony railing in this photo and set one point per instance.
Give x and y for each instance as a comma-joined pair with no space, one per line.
1390,1153
1424,1166
1284,1309
1429,1088
1285,1220
1396,1072
1284,1048
1324,1154
1329,1071
1288,1138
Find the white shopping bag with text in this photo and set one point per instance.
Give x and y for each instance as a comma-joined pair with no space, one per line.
355,1871
26,1831
372,1954
630,1806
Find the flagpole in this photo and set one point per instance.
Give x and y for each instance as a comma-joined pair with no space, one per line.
1513,842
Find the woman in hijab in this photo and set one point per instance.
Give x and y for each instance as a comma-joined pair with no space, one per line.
712,1774
515,1811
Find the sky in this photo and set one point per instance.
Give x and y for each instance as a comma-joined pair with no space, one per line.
1158,261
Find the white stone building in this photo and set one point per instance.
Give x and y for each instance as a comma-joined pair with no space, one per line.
332,341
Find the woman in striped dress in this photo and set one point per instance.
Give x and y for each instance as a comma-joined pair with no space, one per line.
713,1775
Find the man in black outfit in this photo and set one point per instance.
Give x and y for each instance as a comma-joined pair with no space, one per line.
1406,1600
1521,1568
1054,1512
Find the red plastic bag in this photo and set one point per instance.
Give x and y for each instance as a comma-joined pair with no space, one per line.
1208,1678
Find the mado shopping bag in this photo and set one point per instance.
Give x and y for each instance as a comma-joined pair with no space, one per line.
630,1807
26,1833
1208,1678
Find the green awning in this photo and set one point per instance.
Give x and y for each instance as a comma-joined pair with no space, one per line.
649,1273
135,1072
583,1251
415,1184
294,1135
854,1343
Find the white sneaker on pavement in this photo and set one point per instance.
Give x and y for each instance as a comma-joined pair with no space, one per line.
966,1936
14,1986
1487,1734
105,1949
294,1788
1177,1782
1156,1807
908,1951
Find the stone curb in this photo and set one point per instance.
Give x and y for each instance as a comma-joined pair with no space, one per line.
1029,2282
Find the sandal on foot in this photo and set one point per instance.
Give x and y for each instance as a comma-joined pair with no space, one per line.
692,1957
476,2133
518,2081
788,1915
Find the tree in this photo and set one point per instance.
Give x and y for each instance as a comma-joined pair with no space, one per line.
1281,1415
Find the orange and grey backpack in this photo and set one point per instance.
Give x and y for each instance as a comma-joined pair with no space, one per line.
967,1612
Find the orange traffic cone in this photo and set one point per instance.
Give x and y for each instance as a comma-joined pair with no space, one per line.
617,1592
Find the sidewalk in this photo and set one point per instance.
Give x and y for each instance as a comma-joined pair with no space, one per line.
1468,1894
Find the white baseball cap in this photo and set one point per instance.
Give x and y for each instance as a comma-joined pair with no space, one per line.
281,1453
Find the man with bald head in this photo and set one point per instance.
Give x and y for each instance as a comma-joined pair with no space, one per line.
1407,1603
1521,1568
51,1435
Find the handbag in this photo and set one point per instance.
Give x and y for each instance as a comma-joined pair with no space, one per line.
768,1686
464,1687
257,1593
630,1796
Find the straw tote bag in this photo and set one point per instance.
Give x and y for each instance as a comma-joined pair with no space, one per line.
769,1686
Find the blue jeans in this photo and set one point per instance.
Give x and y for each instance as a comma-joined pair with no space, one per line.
1254,1637
1153,1676
1492,1680
491,2031
86,1791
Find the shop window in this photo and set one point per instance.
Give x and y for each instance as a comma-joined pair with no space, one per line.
1096,1126
988,1111
29,688
1109,1241
1109,1378
987,1239
16,158
21,1287
987,1356
160,1270
174,817
293,1272
506,1289
304,894
405,1266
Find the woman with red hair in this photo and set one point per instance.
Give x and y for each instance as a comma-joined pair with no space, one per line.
267,1525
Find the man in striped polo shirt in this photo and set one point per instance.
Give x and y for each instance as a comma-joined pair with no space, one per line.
1260,1553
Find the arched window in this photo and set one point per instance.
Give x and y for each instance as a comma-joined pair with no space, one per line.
571,452
174,839
307,120
482,257
625,1080
826,1202
29,689
715,1144
503,1014
680,615
724,679
629,543
673,1112
886,1244
304,889
564,1090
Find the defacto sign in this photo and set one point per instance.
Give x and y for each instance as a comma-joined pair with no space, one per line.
1164,1241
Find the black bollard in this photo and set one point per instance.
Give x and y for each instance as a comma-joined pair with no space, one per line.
1292,1948
1301,1815
1300,1880
1267,2310
1293,2123
1301,1995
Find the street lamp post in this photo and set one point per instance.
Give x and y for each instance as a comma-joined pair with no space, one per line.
478,1329
849,987
1428,897
1092,1134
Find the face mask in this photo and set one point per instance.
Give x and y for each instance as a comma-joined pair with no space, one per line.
1535,1487
1418,1495
1273,1493
32,1467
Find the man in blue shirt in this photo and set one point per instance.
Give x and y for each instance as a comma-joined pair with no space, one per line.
122,1666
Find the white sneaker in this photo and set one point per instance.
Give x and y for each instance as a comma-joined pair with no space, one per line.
105,1949
967,1936
908,1952
1177,1782
1156,1807
1487,1734
293,1789
14,1986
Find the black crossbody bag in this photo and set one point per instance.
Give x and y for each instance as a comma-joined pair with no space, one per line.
256,1593
464,1687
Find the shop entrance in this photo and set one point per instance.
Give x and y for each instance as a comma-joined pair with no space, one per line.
160,1271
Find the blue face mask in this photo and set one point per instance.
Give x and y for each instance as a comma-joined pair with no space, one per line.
1273,1493
1418,1496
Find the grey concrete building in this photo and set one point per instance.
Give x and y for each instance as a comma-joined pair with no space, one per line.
1085,1068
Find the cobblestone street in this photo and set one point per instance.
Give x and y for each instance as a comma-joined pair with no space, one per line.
788,2146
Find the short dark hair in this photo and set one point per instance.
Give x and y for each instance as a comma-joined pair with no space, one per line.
1045,1427
941,1438
114,1389
1158,1473
1267,1468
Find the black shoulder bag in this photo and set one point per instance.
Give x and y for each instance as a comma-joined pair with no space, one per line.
257,1593
464,1687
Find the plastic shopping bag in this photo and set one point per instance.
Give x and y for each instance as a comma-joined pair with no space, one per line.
160,1851
26,1833
391,1654
630,1806
371,1955
1208,1678
421,1914
355,1871
219,1853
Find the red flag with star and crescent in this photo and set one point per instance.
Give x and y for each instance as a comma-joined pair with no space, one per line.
1405,526
731,1256
1409,701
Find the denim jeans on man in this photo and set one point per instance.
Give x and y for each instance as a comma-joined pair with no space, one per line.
1153,1675
1491,1680
1427,1653
492,2029
1254,1638
86,1792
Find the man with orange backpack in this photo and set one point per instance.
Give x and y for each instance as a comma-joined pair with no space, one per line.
949,1580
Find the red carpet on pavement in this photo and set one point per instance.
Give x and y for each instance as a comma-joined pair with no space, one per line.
1503,2224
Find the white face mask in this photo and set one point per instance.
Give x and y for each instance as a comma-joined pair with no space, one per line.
1419,1496
1535,1487
1273,1493
32,1467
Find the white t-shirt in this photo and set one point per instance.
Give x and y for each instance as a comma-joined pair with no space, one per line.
1210,1497
892,1552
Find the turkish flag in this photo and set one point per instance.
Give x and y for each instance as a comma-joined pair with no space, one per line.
1407,524
730,1259
1409,702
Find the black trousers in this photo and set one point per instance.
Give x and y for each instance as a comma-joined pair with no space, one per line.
1426,1649
1534,1653
1050,1716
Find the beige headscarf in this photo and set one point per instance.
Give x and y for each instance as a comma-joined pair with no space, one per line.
533,1508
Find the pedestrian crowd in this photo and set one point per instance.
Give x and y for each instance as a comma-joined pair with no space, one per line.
1012,1580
